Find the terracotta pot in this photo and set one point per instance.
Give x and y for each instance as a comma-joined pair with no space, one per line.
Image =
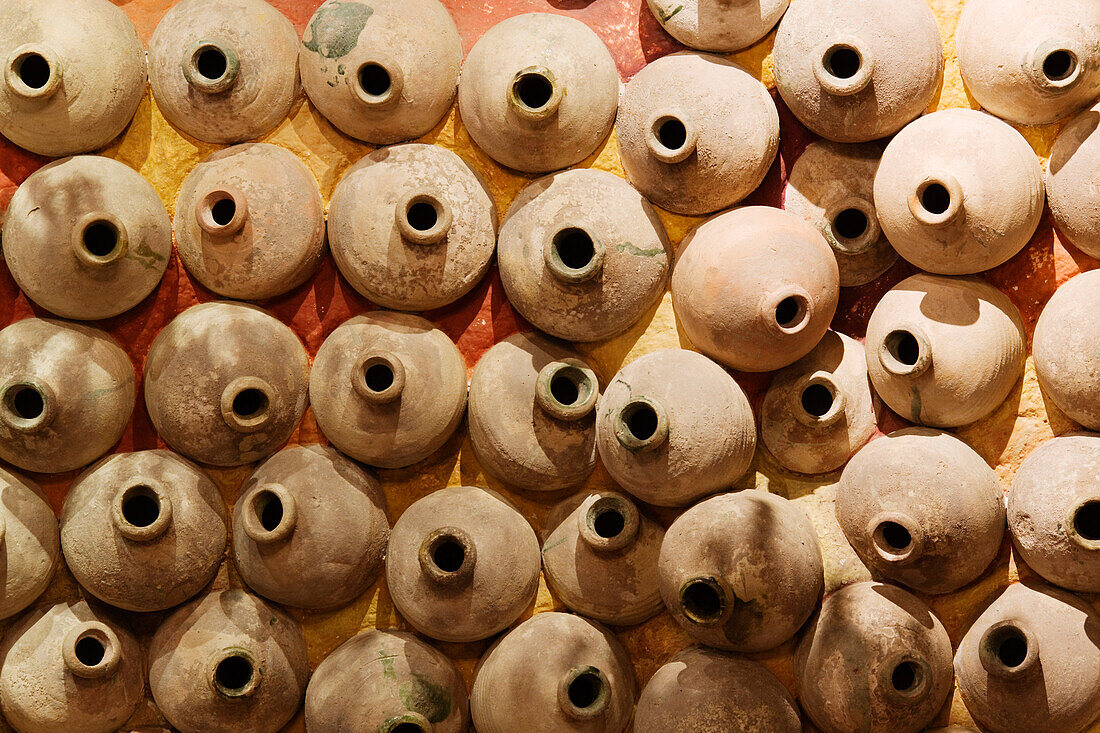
66,394
86,238
819,411
224,71
388,389
310,529
383,72
860,71
252,393
1030,62
600,558
718,25
143,531
462,564
673,427
706,690
68,668
74,74
538,92
1030,662
832,186
755,288
583,681
920,507
250,223
696,133
29,549
741,571
228,662
412,227
401,685
958,192
1054,511
874,659
1074,165
1064,347
532,414
944,351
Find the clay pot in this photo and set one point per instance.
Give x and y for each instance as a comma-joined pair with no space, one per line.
400,684
538,92
832,186
958,192
696,133
944,351
673,426
1054,511
250,223
29,549
388,389
66,394
69,668
310,529
703,689
741,571
859,71
583,680
819,411
224,71
143,531
532,414
1074,165
225,383
462,564
86,237
582,255
755,288
383,72
228,662
412,227
718,25
920,507
74,74
874,659
1065,351
600,558
1030,62
1030,662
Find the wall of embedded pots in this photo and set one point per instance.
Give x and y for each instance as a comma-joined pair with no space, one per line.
697,366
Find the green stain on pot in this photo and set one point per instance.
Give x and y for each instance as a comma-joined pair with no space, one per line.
334,31
631,249
421,695
667,15
387,664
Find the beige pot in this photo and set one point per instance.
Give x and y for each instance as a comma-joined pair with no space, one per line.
30,548
1065,349
717,25
1074,166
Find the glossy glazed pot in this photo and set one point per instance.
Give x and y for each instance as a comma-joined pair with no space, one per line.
1031,662
86,237
228,662
70,667
255,373
741,571
250,223
412,227
1064,347
30,548
1074,165
958,192
224,71
673,426
73,74
600,558
66,394
583,681
920,507
310,528
532,414
143,531
415,686
944,351
860,71
718,25
755,288
874,659
462,564
383,72
696,133
388,389
538,92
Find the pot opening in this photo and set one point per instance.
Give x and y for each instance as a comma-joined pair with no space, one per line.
379,377
407,728
268,508
140,506
422,216
223,210
585,690
100,238
574,247
641,420
24,402
564,389
935,198
533,90
211,63
250,403
234,675
703,601
817,400
850,224
790,311
672,133
374,80
1086,520
1059,65
448,555
893,538
907,677
90,651
843,62
1009,646
903,347
33,70
609,523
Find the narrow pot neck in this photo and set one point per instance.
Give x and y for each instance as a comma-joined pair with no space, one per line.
535,95
567,390
91,651
142,510
448,556
270,514
211,66
33,72
378,377
608,522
